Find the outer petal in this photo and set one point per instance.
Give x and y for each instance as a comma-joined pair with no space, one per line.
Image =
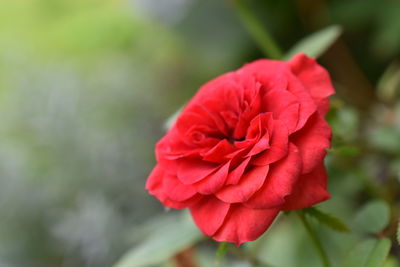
154,181
312,141
315,78
284,107
155,185
194,170
307,105
279,183
243,224
178,205
247,186
209,214
309,190
175,190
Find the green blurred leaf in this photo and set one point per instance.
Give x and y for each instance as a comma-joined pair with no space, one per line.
368,253
385,138
388,85
327,219
317,43
373,217
358,256
398,233
164,242
345,123
221,251
346,150
379,253
391,261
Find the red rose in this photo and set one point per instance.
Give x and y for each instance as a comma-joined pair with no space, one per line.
249,144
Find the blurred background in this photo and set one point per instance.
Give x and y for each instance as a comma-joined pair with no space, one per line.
85,88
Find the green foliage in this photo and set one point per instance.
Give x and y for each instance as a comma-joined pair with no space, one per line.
388,86
221,251
369,253
167,239
373,217
398,233
379,253
385,138
317,43
327,219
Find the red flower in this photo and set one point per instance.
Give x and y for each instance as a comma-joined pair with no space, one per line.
249,144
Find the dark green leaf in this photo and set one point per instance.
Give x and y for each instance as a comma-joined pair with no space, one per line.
327,219
317,43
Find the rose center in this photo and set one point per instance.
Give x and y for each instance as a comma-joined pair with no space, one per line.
231,140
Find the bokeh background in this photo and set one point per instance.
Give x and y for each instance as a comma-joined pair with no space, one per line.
85,89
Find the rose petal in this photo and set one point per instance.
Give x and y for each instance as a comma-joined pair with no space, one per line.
243,224
175,190
290,117
209,214
312,140
315,78
155,186
166,201
279,182
193,170
307,104
213,182
278,146
220,152
235,175
247,186
251,107
154,181
309,190
259,132
284,106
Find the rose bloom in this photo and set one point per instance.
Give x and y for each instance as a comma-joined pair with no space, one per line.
251,143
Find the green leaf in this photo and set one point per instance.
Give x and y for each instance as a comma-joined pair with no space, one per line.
391,261
164,242
388,86
373,217
368,253
398,233
379,253
345,150
317,43
327,219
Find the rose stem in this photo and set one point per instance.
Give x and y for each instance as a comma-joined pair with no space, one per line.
314,238
257,30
